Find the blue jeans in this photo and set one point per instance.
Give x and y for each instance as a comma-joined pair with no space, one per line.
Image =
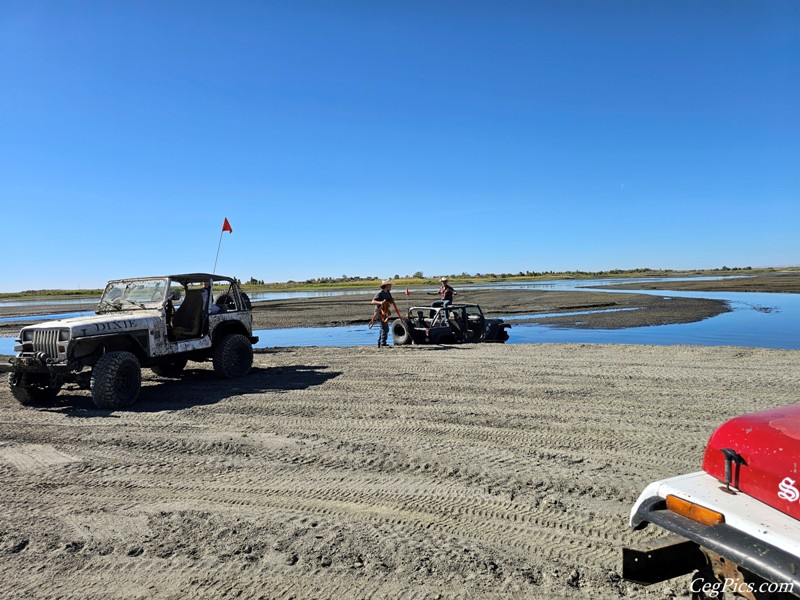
383,334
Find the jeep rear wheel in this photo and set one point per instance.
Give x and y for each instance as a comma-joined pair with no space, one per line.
170,369
116,380
30,390
401,333
233,356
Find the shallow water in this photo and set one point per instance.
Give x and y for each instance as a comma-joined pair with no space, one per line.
757,320
47,317
82,302
513,318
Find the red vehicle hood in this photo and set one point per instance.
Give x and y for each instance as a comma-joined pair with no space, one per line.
768,444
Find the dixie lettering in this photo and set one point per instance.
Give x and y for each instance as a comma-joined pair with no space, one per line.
114,325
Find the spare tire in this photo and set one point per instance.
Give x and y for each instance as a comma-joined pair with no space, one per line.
401,333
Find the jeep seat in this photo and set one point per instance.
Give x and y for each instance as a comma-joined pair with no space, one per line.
188,319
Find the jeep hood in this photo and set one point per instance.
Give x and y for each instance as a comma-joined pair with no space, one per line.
767,444
100,324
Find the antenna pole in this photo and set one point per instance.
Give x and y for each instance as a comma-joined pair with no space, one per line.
214,271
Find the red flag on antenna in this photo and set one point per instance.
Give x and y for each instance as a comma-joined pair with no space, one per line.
227,226
407,292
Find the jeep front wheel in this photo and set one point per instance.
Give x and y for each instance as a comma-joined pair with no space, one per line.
116,380
233,356
31,391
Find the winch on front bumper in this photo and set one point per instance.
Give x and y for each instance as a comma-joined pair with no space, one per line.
37,363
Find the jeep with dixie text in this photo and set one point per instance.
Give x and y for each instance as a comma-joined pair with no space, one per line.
159,323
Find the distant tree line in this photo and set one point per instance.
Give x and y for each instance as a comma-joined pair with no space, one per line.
344,279
253,281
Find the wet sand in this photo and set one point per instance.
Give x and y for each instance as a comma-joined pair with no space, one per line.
787,282
356,309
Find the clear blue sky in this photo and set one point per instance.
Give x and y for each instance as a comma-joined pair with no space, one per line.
381,138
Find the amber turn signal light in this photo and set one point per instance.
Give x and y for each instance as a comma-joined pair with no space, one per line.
695,512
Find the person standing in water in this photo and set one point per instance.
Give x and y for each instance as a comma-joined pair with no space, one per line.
383,301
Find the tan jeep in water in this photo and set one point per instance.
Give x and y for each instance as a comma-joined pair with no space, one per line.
155,322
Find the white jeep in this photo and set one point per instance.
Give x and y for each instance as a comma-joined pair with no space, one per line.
156,322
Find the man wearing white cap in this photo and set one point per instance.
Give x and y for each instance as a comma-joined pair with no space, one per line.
445,292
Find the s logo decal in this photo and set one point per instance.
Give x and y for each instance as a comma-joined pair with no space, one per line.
788,491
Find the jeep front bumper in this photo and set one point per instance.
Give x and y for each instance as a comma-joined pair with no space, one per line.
754,536
35,364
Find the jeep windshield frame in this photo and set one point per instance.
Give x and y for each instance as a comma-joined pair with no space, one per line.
133,294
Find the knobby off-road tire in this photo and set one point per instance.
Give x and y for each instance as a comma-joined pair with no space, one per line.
30,392
171,369
400,333
116,380
233,356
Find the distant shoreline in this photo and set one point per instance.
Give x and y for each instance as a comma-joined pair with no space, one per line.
344,284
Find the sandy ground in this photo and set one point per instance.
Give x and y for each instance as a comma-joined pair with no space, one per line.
486,471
